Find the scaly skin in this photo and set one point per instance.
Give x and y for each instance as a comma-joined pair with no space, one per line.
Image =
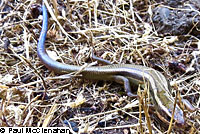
120,73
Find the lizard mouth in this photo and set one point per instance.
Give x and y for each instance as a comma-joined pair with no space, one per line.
179,121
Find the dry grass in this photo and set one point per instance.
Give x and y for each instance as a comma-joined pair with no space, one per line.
117,31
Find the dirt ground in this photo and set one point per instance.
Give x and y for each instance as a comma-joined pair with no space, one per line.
162,34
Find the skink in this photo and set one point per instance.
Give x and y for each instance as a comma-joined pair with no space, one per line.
125,74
